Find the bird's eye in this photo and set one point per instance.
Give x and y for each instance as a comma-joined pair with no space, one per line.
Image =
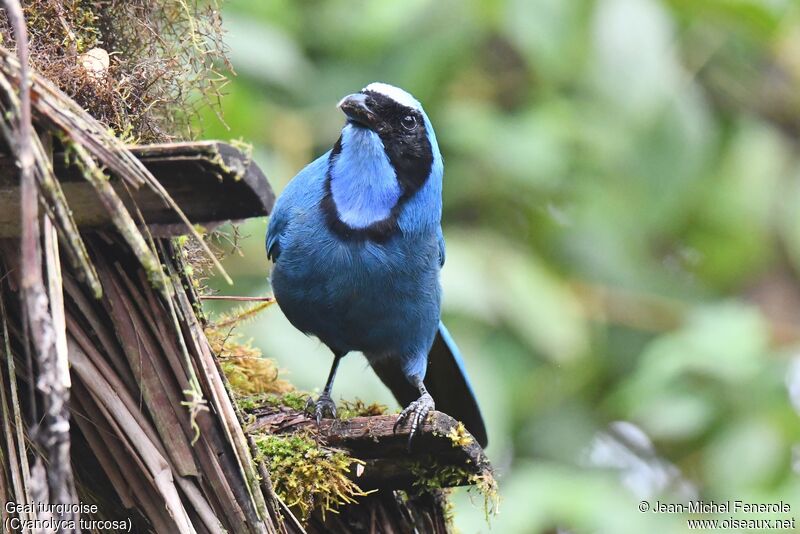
409,123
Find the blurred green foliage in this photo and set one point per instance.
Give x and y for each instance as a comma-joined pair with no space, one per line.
622,194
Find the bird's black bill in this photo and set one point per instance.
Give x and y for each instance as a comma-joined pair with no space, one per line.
357,109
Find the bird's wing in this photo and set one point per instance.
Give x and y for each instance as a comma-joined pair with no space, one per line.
276,224
297,195
440,237
446,380
278,220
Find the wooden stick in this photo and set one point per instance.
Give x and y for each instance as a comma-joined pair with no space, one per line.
234,298
20,472
388,464
55,482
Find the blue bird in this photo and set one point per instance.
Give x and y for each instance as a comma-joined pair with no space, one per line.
357,246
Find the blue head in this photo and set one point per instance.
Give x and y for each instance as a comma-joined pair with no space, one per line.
385,171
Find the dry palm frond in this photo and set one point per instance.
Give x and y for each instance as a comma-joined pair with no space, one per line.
53,483
147,398
94,149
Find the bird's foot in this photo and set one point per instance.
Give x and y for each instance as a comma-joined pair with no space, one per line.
322,406
415,413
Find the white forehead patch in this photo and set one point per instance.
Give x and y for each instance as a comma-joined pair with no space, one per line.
403,98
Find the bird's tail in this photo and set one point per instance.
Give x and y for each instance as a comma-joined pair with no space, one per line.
449,385
447,382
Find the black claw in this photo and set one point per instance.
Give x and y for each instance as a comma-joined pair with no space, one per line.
322,406
400,419
416,413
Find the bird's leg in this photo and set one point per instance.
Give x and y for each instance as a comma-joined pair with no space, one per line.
324,404
417,411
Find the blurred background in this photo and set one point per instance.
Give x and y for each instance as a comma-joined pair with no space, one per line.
622,217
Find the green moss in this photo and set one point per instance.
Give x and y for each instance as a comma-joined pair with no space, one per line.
243,146
449,512
358,408
73,24
250,375
458,435
295,400
308,476
432,476
247,403
486,485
